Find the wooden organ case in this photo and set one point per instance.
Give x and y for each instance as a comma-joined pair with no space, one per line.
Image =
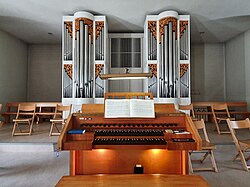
116,146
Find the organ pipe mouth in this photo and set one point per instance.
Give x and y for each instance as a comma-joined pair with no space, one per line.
126,76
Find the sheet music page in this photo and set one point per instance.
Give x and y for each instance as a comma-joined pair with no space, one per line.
142,108
117,108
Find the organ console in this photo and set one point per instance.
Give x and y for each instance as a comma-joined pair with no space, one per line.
107,146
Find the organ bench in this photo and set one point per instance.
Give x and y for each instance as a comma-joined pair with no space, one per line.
115,146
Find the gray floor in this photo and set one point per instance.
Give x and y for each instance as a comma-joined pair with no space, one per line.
40,166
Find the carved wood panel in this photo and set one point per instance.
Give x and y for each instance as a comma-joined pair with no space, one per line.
153,68
87,22
99,25
68,69
152,28
98,69
69,27
183,69
165,21
183,26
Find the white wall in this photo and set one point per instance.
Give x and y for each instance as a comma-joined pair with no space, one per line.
235,68
247,67
44,73
13,69
207,72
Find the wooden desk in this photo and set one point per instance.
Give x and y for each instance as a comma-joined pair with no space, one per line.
11,109
138,180
238,110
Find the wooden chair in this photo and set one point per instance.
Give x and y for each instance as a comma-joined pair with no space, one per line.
206,149
25,116
242,146
59,119
190,109
220,113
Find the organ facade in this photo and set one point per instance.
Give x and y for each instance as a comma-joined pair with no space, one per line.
163,50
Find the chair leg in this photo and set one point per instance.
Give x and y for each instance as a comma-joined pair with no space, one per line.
213,161
31,127
51,129
190,162
217,126
14,128
243,160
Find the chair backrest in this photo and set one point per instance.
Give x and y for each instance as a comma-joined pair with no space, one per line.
220,108
26,110
189,107
234,125
200,125
62,108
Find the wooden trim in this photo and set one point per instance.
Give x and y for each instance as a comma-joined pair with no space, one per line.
126,75
128,95
72,171
130,179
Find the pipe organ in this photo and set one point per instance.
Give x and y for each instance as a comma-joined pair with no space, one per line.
165,49
167,39
84,45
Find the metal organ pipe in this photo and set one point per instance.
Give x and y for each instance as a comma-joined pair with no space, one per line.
96,49
173,67
102,38
89,70
162,69
77,69
65,42
148,44
151,46
86,60
100,46
166,58
70,46
82,58
186,42
170,62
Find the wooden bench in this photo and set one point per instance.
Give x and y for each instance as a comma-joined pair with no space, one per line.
237,109
42,109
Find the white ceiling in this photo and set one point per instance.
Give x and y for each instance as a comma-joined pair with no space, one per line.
32,20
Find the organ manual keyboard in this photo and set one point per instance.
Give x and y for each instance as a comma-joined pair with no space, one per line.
108,146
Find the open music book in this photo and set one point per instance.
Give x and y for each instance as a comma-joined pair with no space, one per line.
125,108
